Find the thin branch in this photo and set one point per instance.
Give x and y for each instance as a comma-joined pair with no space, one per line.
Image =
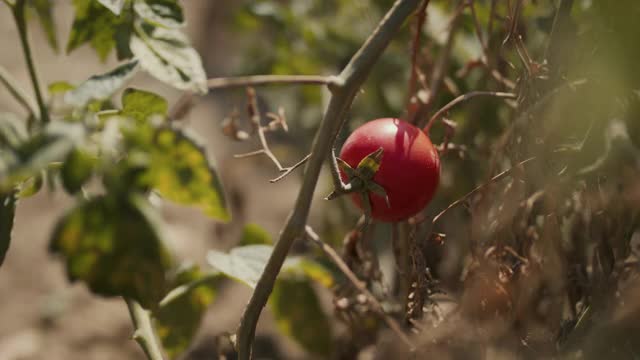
258,80
255,118
286,171
463,98
474,191
185,102
440,68
476,23
360,285
18,10
343,90
492,15
20,95
415,47
143,333
515,17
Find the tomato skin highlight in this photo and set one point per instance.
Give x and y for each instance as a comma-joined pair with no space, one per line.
409,171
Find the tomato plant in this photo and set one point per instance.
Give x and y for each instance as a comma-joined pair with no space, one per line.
409,171
524,243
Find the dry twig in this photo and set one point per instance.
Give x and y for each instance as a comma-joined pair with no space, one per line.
360,285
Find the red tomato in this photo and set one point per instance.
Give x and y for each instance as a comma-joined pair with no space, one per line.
409,171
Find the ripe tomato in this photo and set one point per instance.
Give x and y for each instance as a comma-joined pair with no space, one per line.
409,171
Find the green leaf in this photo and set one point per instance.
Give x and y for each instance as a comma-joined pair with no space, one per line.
180,313
166,13
111,244
179,171
45,15
253,234
95,23
141,105
311,270
59,87
39,152
167,55
114,5
7,214
77,170
244,263
101,87
31,186
298,314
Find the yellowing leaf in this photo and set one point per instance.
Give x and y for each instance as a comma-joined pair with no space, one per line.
180,171
110,243
180,314
298,314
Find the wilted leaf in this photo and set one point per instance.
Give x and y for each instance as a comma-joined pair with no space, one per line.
114,5
7,213
167,55
140,104
111,244
244,264
98,25
45,15
180,313
101,87
179,171
76,170
253,234
166,13
298,314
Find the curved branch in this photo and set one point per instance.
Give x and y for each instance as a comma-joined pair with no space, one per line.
343,90
462,98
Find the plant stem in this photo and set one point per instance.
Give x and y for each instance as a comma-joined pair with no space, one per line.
143,333
257,80
11,84
18,10
344,89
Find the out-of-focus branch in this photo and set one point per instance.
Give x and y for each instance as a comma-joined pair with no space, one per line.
19,15
258,80
440,68
421,16
343,90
